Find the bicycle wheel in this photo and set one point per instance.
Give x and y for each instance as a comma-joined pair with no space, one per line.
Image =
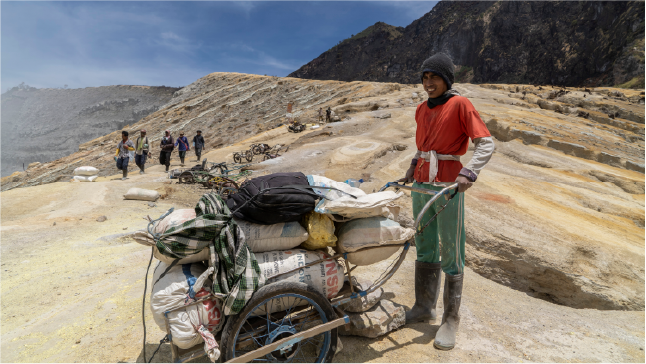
277,311
249,156
256,149
237,158
186,177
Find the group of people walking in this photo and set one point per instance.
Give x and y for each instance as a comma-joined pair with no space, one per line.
140,150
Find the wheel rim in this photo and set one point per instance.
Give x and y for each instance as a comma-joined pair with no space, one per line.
299,315
186,177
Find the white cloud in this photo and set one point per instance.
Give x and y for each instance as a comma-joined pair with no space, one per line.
176,43
263,59
412,9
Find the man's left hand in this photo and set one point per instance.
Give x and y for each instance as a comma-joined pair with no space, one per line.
463,183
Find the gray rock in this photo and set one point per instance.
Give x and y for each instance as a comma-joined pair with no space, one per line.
366,302
379,320
151,204
102,218
633,166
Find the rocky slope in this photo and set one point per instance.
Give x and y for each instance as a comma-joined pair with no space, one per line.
227,107
555,222
41,125
533,42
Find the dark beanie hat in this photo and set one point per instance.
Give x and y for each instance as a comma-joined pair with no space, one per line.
441,65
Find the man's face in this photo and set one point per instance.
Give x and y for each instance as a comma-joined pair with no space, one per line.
124,137
143,134
199,133
433,84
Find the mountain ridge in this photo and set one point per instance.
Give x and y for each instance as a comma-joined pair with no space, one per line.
557,43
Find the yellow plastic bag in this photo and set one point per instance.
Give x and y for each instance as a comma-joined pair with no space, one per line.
321,231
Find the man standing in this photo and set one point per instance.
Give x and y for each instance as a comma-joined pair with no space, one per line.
123,154
182,142
328,115
167,147
198,144
445,122
320,114
141,150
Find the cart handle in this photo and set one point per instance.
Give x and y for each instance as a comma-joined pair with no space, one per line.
437,194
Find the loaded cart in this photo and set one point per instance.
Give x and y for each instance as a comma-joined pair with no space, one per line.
288,321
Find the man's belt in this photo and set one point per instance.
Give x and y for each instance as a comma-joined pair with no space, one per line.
431,157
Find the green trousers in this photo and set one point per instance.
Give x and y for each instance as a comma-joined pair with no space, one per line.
443,239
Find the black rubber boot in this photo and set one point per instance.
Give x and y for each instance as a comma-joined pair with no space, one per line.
181,161
125,174
166,168
445,337
427,290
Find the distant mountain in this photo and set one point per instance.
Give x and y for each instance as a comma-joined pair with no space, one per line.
586,43
41,125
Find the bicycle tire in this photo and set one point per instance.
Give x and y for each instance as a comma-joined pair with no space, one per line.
280,290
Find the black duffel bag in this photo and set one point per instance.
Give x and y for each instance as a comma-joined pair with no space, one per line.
264,200
274,198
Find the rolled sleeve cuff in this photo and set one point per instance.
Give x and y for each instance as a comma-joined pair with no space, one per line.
468,174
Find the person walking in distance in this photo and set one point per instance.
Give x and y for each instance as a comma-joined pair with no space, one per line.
167,147
122,156
142,151
328,115
320,114
445,123
198,144
182,142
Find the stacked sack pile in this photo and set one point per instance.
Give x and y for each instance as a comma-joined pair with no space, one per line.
282,224
85,174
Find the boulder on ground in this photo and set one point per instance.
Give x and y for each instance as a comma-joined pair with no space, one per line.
379,320
366,302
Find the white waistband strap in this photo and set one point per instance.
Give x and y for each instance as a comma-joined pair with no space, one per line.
432,157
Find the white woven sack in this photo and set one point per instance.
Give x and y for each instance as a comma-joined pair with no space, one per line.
176,217
315,180
390,211
172,291
372,231
85,178
86,171
372,256
264,238
199,257
141,194
325,277
363,206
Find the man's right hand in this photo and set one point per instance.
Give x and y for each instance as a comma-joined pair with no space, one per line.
409,175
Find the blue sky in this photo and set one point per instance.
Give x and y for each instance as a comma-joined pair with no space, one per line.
85,44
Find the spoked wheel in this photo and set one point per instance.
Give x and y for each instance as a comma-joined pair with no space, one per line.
237,158
256,149
220,169
277,311
186,177
249,156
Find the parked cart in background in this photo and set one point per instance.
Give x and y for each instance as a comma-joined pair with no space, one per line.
274,152
246,155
